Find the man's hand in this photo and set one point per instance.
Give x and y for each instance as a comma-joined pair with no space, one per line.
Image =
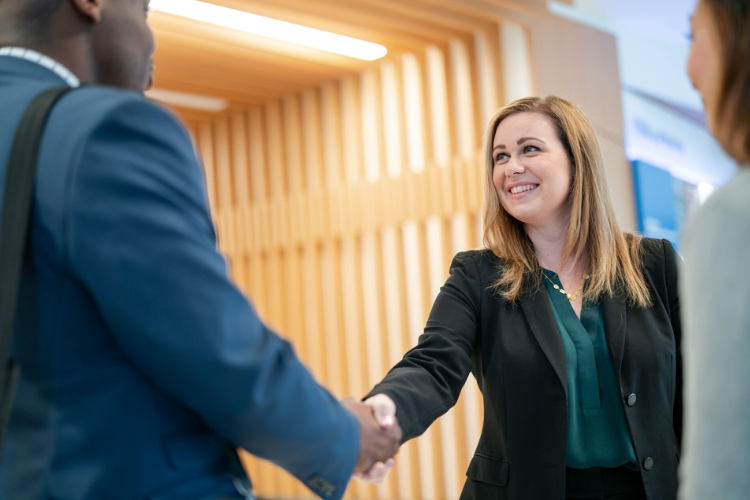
377,444
385,413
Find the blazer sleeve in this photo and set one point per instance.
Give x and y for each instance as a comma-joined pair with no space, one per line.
426,383
671,276
140,239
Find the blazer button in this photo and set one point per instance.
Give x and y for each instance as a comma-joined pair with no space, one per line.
648,463
631,400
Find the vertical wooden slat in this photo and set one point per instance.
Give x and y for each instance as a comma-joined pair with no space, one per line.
240,167
293,144
311,130
439,114
351,130
257,130
487,58
207,152
516,54
330,101
225,196
463,99
391,100
414,98
275,144
372,126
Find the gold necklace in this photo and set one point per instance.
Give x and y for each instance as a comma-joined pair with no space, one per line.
562,291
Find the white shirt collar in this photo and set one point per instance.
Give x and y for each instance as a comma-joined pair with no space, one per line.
44,61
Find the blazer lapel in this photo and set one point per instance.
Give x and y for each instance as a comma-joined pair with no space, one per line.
613,309
538,312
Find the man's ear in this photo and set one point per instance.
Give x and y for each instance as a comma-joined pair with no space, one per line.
91,9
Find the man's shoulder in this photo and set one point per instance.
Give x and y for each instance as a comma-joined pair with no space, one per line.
93,105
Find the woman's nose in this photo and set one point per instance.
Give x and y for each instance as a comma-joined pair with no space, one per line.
513,167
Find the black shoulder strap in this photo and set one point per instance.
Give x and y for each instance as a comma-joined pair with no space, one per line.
14,229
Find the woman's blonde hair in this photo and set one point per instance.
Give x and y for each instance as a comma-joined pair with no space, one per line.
613,258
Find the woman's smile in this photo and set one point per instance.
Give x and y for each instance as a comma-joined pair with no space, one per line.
521,190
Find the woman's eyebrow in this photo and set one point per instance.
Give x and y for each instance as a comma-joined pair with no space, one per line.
525,139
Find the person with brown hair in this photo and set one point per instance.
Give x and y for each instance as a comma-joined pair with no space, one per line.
716,282
570,326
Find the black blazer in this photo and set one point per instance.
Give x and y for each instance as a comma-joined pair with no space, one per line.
516,355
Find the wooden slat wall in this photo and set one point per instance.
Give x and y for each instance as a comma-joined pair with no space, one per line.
340,208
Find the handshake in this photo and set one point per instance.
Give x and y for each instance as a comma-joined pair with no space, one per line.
380,436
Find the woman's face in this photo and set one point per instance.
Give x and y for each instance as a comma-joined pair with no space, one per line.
532,173
704,64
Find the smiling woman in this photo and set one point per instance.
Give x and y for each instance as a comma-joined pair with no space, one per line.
549,145
570,326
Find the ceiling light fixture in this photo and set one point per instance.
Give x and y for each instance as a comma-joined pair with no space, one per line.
185,100
271,28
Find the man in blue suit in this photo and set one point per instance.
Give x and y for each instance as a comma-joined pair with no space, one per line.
142,365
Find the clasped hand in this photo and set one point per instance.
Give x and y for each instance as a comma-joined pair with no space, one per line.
380,436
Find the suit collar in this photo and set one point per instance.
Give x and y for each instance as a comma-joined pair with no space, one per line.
614,312
22,69
541,319
538,312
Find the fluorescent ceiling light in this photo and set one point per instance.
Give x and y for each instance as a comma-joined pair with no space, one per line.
184,100
271,28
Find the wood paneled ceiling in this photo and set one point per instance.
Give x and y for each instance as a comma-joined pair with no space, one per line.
207,60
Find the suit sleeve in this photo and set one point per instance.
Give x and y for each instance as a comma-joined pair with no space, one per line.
671,275
426,383
140,239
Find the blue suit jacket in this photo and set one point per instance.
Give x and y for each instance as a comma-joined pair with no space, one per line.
142,365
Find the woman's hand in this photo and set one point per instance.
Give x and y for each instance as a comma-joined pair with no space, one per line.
385,413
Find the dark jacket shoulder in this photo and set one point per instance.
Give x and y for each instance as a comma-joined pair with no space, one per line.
486,262
658,257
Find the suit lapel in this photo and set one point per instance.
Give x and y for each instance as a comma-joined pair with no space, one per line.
538,312
613,309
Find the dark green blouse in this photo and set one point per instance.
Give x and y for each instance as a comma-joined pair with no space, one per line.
598,434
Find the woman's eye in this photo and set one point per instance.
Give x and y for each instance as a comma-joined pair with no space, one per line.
500,157
530,149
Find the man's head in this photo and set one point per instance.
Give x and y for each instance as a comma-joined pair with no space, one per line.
105,42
